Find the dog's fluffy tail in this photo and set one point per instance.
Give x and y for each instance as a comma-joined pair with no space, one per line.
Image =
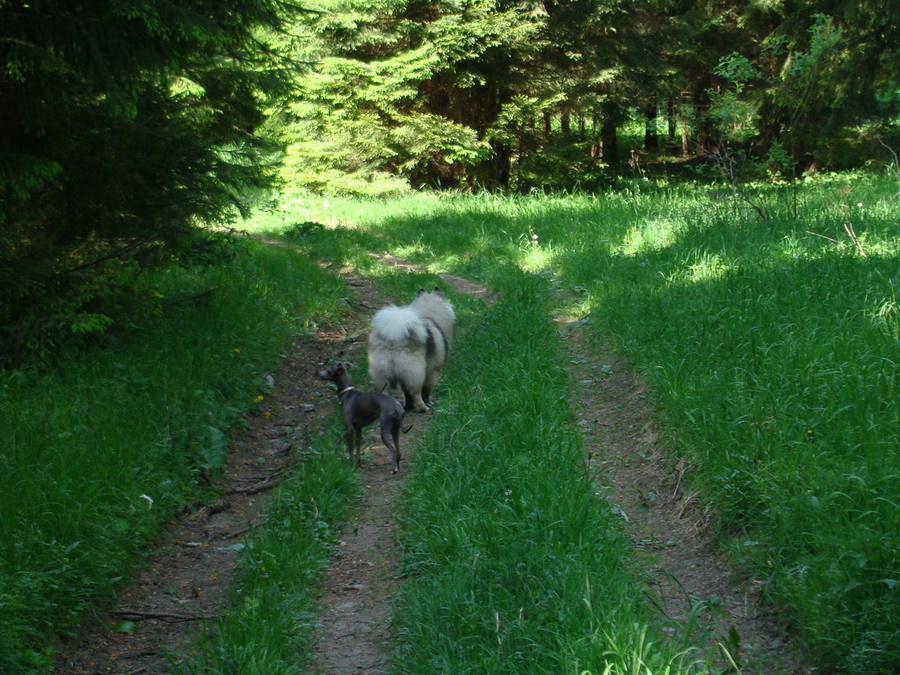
399,327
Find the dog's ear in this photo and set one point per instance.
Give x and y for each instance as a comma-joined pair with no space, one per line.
345,366
421,291
438,291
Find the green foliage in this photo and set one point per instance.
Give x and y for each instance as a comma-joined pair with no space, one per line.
735,118
358,126
410,94
122,128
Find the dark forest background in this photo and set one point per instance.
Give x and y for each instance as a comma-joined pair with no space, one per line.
128,127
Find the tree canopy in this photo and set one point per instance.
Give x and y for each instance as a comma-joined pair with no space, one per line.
123,125
126,125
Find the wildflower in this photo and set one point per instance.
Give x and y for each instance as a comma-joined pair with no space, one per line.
810,435
236,352
260,398
267,414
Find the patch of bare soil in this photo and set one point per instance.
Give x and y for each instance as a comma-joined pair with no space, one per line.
667,522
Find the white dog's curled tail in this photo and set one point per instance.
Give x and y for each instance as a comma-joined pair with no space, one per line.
399,327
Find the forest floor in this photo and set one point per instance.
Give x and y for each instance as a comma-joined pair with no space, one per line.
185,581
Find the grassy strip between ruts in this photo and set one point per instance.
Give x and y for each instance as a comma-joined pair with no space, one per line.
270,623
513,563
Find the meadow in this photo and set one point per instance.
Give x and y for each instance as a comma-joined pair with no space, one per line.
769,341
771,345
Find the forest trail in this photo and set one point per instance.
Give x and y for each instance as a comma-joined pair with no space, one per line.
186,580
354,625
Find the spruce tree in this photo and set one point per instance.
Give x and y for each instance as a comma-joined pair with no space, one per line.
123,126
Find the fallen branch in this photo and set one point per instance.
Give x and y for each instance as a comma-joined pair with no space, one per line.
140,615
261,486
238,533
816,234
848,228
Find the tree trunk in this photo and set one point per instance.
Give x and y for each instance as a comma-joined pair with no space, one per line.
501,164
609,146
596,150
704,128
651,138
670,119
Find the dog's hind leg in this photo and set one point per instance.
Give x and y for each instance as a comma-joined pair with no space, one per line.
391,439
357,432
348,436
391,419
428,387
413,397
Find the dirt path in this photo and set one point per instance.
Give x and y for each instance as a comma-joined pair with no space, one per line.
186,580
354,625
666,522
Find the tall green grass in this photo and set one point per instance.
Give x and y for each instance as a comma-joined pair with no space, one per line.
513,563
102,447
771,347
774,355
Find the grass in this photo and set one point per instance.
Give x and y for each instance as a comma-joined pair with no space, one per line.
100,451
771,348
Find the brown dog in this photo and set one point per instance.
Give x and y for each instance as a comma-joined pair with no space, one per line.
359,409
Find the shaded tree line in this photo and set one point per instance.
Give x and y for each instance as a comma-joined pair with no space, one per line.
127,126
515,94
123,126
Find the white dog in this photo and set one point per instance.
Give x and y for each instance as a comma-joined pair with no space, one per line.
408,346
